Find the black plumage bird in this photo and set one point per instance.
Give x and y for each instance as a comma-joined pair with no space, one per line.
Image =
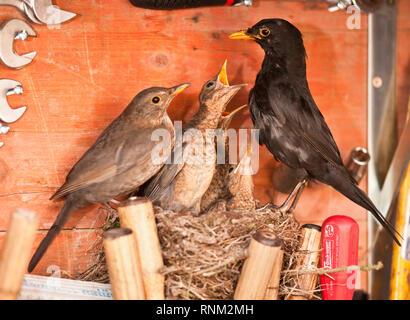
291,125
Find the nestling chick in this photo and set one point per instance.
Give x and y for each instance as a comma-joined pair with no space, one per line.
181,184
118,162
218,189
241,186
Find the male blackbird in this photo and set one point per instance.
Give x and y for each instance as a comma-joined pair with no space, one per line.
291,126
118,162
218,189
181,184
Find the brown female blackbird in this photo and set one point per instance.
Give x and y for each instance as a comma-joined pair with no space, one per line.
118,162
291,125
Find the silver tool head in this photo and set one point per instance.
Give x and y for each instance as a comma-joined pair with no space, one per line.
48,13
12,29
8,87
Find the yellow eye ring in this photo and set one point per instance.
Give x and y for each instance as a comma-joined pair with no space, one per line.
156,99
264,32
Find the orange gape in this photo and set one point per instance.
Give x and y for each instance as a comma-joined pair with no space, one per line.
400,276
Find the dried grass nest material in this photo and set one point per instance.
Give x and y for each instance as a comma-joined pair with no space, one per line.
203,255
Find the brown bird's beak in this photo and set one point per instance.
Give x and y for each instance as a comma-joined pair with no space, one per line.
178,89
243,35
223,76
228,116
223,84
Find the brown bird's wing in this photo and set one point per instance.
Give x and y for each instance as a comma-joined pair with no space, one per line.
108,158
161,183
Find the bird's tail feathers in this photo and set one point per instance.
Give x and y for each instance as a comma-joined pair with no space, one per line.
343,184
52,234
365,202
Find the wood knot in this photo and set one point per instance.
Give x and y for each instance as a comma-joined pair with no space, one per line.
4,169
160,60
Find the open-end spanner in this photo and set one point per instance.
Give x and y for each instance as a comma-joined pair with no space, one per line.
9,87
48,13
11,30
23,7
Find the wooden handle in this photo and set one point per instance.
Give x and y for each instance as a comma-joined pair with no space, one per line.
16,253
272,290
309,257
264,250
138,215
123,264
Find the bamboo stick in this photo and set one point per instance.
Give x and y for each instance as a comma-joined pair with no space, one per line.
16,252
264,250
138,215
272,290
309,257
123,264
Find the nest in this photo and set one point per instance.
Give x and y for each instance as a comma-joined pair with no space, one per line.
203,255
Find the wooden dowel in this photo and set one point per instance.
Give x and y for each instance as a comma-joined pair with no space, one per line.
308,250
138,215
16,252
256,273
272,290
123,265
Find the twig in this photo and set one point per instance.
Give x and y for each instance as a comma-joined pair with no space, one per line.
320,271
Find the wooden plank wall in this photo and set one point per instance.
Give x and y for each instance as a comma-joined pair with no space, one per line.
86,71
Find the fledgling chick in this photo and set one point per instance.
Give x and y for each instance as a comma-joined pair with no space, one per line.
181,184
218,189
241,186
118,162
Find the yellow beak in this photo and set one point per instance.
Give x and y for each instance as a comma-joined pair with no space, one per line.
246,155
180,88
228,116
241,35
223,76
232,113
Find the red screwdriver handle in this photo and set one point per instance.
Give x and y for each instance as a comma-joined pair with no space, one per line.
340,243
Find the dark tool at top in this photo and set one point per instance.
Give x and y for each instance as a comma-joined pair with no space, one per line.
185,4
291,125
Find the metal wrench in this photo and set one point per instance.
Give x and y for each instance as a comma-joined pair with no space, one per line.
48,13
23,7
11,30
9,87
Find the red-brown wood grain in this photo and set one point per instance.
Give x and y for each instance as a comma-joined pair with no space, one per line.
87,70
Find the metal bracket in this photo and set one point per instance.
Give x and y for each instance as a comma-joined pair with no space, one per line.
389,158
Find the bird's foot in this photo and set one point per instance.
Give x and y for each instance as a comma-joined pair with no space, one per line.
285,208
272,207
112,213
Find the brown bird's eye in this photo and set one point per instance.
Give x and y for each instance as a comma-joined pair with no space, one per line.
156,100
209,84
264,32
230,170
